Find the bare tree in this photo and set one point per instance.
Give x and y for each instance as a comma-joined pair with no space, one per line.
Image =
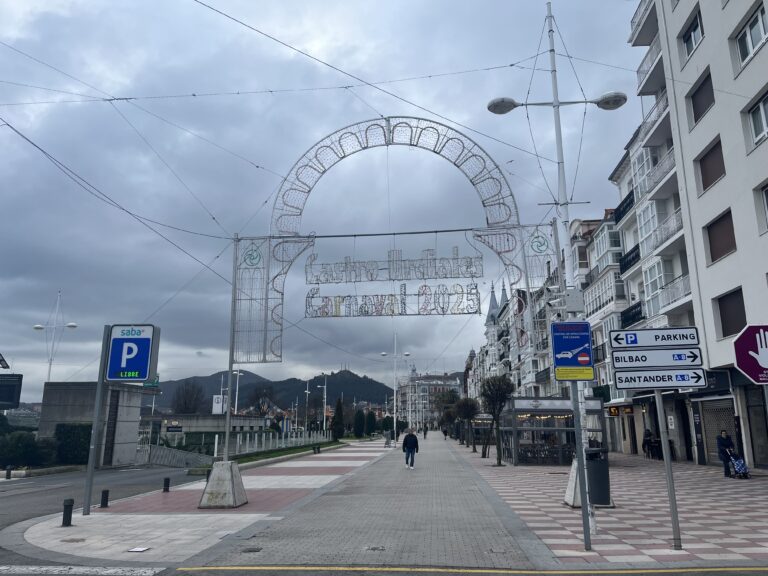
495,391
188,398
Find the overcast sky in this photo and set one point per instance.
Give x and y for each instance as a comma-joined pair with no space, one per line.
112,269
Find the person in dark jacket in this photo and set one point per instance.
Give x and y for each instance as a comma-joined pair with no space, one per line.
410,447
724,444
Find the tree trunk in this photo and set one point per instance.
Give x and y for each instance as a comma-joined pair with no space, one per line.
498,444
474,444
486,442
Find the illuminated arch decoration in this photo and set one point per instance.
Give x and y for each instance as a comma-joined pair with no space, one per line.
262,263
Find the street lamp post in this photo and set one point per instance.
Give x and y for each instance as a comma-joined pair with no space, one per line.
306,409
608,101
325,389
237,387
52,343
394,380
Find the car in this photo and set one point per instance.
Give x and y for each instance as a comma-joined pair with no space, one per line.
564,354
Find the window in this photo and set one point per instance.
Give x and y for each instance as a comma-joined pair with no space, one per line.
752,35
758,119
720,236
693,35
702,99
761,208
647,221
712,166
730,308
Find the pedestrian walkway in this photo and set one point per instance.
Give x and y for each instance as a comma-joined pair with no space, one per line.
722,521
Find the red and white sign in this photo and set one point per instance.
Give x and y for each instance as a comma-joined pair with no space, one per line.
583,358
751,350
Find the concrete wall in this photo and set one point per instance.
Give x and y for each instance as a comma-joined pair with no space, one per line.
73,403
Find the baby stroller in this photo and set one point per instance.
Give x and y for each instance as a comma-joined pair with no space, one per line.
739,467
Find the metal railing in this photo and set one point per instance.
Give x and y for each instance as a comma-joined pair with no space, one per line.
675,290
658,172
598,352
624,206
658,110
543,376
647,63
629,259
632,315
667,229
640,13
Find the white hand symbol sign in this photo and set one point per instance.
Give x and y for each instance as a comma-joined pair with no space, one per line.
762,349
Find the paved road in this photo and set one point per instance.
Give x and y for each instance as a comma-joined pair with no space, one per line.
25,498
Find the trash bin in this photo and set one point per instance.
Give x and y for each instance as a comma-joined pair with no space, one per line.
598,479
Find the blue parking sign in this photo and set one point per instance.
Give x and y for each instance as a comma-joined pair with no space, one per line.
132,353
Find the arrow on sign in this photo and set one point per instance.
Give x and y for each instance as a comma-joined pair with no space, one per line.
696,377
619,339
693,357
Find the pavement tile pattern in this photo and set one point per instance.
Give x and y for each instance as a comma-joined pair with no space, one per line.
172,528
721,519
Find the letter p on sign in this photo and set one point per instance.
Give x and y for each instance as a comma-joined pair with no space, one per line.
130,350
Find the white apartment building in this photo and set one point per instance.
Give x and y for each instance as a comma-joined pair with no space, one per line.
694,216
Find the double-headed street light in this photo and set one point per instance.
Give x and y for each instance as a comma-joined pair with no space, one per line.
608,101
53,333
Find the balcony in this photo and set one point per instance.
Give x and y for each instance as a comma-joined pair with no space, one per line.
659,110
644,25
632,315
666,230
543,376
629,259
542,345
598,353
657,174
674,292
591,276
650,73
627,203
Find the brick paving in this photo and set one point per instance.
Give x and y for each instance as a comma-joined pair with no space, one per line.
721,519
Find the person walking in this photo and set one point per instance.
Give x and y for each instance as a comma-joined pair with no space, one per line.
425,432
410,447
445,433
724,448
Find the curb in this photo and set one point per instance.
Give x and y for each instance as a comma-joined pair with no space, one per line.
276,459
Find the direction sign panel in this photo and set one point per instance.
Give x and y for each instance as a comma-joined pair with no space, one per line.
657,358
132,353
654,337
669,378
751,349
572,351
10,391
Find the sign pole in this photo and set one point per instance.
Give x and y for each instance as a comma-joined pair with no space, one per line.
96,425
676,542
580,466
231,363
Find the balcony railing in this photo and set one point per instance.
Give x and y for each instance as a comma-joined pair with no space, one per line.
632,315
658,172
640,14
598,352
647,63
543,376
658,110
675,290
624,206
542,344
629,259
667,229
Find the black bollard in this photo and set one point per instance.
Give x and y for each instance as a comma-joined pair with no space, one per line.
8,472
69,503
104,499
166,484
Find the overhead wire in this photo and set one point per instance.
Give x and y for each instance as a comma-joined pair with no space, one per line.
187,95
528,116
584,115
57,90
366,82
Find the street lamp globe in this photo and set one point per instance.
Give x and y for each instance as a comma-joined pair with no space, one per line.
38,327
502,105
611,100
71,325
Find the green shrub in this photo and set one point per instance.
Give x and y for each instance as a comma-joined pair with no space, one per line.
73,442
19,449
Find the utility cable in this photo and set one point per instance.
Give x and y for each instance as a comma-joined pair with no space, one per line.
366,82
59,91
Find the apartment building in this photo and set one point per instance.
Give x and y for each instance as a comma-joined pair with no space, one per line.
693,220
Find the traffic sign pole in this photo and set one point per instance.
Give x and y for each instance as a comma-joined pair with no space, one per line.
580,465
676,542
96,425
